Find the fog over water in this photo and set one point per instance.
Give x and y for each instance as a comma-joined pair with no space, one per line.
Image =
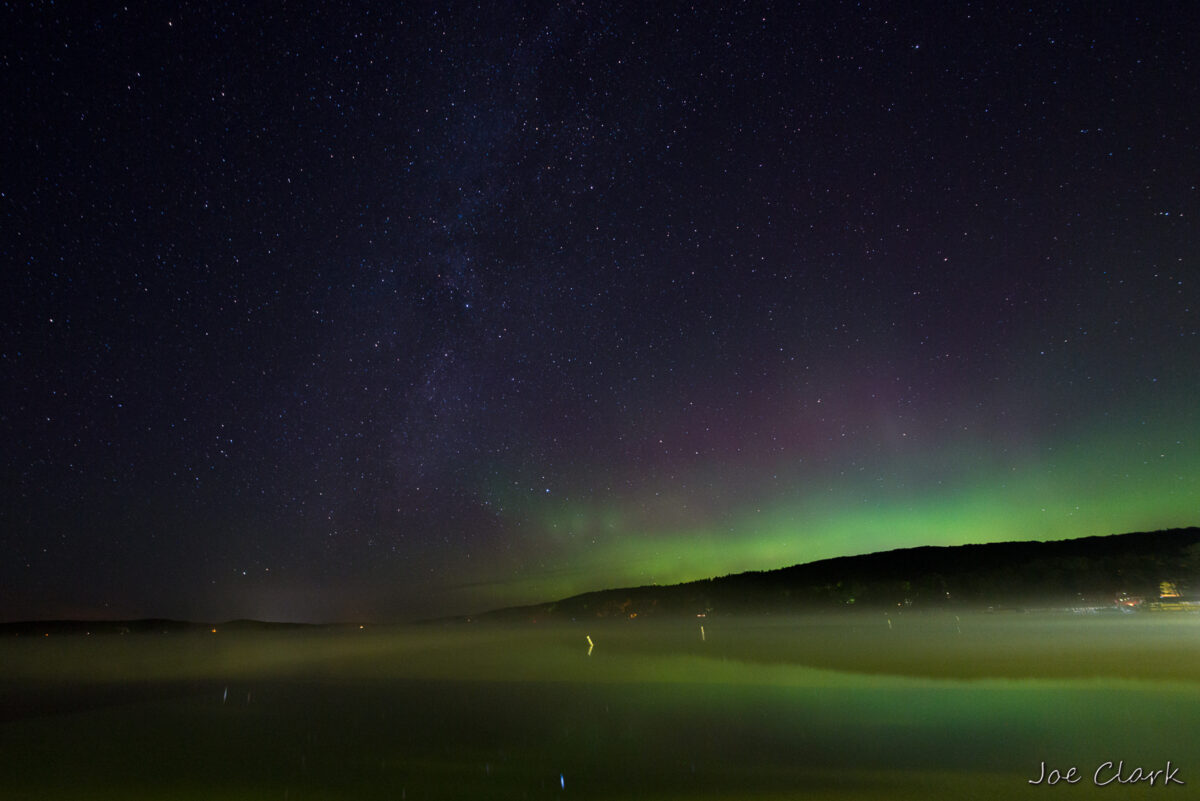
842,707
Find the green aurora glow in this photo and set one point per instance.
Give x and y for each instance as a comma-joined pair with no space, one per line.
1105,483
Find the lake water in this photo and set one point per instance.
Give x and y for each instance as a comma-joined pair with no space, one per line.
848,707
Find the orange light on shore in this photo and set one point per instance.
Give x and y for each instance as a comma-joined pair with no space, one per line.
214,631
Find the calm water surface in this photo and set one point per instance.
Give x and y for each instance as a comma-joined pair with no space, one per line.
844,708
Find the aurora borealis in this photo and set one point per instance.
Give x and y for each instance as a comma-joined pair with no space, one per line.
945,495
333,313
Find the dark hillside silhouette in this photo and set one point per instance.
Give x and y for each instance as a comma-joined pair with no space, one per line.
1092,572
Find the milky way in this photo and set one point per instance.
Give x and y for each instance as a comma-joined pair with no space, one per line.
358,313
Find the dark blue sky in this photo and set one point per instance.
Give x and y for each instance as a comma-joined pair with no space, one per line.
338,311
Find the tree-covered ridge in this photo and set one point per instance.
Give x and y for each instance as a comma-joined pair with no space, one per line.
1091,571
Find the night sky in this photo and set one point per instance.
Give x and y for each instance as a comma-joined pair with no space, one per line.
372,313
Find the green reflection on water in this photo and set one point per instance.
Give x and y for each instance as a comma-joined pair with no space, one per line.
525,713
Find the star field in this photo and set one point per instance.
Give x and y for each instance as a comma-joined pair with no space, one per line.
336,311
